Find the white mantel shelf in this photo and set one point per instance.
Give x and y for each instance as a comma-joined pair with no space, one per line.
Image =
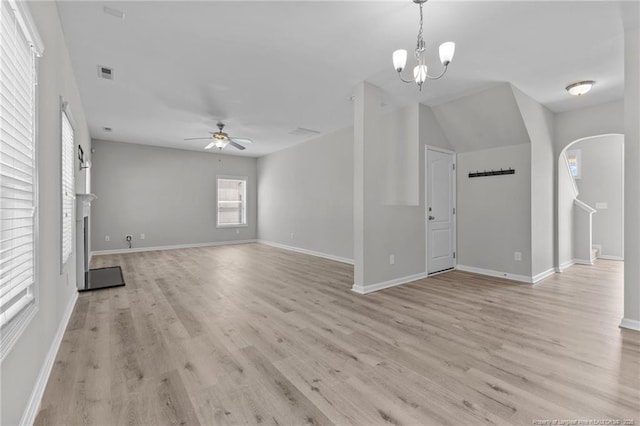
83,205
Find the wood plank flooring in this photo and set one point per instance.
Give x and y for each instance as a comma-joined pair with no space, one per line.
250,334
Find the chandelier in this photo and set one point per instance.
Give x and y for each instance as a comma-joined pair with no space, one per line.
420,74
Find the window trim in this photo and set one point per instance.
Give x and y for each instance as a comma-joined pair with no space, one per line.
246,202
14,329
66,110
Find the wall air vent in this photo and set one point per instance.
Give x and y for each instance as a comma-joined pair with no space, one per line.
105,72
300,131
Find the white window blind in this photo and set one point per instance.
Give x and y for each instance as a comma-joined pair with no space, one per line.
17,166
232,196
68,185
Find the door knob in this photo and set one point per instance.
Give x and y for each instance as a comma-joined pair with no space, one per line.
431,217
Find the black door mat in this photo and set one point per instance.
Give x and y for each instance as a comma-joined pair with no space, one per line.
100,278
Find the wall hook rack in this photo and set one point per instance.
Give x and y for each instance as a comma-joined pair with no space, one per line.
492,173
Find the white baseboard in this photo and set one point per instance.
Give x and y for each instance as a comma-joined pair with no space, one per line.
33,405
630,324
305,251
171,247
492,273
387,284
607,257
542,275
565,265
582,262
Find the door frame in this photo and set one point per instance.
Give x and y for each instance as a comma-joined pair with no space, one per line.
428,148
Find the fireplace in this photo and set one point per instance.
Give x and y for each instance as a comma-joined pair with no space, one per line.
83,245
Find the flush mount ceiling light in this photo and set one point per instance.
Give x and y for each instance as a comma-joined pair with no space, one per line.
420,74
580,88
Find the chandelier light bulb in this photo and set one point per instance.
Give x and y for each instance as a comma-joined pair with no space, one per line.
446,52
420,74
399,59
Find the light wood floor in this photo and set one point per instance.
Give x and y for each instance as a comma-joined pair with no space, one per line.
250,334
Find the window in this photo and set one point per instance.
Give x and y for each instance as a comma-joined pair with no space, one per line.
67,184
573,160
19,46
232,201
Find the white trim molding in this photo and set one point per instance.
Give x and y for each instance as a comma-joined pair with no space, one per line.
582,262
630,324
170,247
565,265
387,284
542,275
607,257
306,251
492,273
33,405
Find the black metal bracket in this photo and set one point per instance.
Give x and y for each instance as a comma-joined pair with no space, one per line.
492,173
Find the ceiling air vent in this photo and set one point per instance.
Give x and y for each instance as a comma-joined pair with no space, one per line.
301,131
114,12
107,129
105,72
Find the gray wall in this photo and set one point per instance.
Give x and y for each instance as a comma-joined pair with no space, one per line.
494,213
539,122
305,195
583,123
571,126
393,226
632,173
483,120
384,226
56,290
167,194
602,181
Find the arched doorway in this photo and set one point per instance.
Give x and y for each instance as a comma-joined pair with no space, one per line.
591,170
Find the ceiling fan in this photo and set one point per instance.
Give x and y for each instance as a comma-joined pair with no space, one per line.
221,139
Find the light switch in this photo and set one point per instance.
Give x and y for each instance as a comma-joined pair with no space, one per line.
602,206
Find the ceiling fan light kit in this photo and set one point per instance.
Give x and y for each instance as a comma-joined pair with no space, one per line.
222,139
420,71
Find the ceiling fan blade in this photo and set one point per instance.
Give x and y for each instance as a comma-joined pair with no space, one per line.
197,139
236,145
211,145
240,140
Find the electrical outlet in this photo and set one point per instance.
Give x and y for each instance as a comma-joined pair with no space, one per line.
128,237
293,235
392,259
107,238
142,236
517,256
237,231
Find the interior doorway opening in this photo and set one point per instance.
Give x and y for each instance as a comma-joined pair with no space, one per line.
591,200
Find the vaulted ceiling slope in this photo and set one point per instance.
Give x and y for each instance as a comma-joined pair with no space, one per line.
488,119
268,68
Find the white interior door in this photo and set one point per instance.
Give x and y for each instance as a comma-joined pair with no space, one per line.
440,215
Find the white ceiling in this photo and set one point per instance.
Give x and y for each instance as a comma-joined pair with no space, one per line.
266,68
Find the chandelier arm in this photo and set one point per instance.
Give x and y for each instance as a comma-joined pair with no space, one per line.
446,67
403,80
